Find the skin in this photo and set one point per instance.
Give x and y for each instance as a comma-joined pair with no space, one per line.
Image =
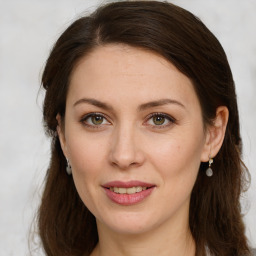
128,144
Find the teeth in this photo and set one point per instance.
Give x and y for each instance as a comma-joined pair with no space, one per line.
129,191
138,189
122,190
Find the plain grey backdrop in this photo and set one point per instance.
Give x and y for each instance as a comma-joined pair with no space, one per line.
28,29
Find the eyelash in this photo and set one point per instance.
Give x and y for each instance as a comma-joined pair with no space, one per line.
162,115
83,120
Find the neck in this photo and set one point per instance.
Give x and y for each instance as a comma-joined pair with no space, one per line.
162,241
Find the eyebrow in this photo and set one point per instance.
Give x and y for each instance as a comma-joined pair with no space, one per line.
142,107
94,102
158,103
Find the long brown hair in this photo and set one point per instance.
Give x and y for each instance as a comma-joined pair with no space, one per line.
66,226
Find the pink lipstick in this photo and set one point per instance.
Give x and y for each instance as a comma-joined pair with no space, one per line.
128,193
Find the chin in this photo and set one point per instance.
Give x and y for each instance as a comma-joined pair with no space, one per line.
132,223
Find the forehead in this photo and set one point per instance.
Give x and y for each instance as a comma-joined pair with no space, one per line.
122,71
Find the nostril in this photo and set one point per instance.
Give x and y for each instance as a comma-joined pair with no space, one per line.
125,154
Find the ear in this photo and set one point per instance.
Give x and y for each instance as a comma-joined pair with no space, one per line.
215,134
61,135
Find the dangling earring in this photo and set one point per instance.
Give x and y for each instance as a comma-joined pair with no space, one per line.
68,168
209,171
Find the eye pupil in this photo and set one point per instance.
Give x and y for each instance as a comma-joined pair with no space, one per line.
97,119
158,120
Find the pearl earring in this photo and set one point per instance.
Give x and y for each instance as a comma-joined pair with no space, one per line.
209,171
68,168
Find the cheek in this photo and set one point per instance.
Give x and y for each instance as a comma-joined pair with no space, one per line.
177,159
85,151
177,151
178,163
86,159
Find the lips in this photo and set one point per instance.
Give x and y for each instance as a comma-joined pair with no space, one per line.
129,184
128,193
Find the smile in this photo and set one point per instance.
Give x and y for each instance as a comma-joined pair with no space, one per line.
128,193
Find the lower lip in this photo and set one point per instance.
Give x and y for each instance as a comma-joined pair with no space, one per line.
128,199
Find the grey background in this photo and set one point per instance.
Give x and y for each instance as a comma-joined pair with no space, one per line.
28,29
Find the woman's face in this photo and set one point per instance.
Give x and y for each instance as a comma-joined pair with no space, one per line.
134,137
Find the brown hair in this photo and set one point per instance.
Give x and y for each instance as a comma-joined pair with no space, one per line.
66,226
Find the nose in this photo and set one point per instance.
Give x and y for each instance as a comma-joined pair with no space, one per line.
125,150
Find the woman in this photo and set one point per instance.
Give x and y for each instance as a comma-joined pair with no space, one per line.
146,150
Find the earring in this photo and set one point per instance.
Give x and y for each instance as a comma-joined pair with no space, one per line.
68,168
209,171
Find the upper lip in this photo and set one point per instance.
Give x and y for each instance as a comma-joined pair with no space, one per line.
127,184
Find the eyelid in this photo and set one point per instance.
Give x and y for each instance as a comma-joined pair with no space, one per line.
171,119
166,116
82,120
